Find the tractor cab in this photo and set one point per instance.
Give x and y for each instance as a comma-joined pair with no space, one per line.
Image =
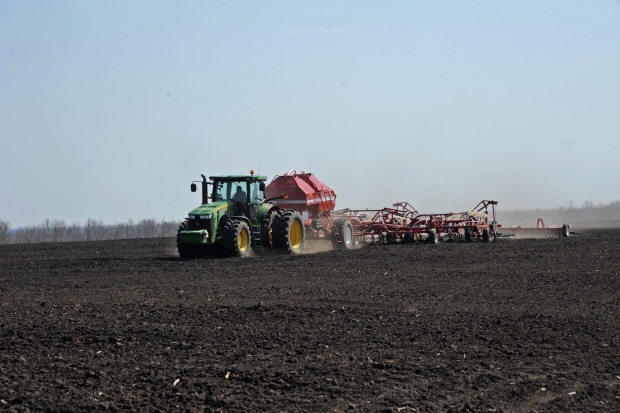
244,194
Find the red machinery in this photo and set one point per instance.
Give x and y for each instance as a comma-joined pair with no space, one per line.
539,231
404,223
399,223
313,199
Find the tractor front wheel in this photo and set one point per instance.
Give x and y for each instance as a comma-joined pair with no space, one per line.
236,238
288,232
187,250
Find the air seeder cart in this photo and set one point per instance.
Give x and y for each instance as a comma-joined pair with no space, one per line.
315,201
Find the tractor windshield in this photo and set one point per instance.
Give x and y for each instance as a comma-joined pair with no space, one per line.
237,191
230,191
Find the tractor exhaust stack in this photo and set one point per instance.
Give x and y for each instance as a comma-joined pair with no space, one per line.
205,190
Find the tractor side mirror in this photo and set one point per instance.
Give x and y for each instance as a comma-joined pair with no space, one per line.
193,187
261,186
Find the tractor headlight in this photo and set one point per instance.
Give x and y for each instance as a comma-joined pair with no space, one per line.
206,216
191,217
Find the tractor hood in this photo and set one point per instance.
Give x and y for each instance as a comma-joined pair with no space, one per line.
211,208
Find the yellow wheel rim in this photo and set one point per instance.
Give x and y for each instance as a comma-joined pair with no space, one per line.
295,234
242,240
270,237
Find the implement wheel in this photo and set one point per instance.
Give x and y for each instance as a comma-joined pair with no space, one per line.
236,238
469,235
288,232
188,250
486,235
432,237
345,230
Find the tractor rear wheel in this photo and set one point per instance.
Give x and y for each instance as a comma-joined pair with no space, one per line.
187,250
266,231
345,230
288,233
236,238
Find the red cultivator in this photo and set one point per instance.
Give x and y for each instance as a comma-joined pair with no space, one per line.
403,223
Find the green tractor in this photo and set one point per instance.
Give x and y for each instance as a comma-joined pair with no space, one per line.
238,220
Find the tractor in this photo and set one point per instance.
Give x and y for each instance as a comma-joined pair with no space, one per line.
238,219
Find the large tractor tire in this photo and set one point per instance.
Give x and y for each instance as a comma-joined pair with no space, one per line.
345,230
288,233
188,251
236,238
266,231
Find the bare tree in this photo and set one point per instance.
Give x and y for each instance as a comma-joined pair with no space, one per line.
131,229
146,228
74,232
119,231
25,235
59,230
167,228
5,234
93,230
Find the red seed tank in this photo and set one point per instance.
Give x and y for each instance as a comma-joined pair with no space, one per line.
304,191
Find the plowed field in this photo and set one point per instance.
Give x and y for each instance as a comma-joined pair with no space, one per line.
513,326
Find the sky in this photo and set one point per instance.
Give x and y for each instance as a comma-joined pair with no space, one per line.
109,109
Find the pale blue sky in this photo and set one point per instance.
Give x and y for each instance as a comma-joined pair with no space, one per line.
110,109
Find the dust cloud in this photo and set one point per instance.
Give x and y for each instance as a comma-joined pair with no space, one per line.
312,247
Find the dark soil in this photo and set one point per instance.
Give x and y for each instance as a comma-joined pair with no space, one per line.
513,326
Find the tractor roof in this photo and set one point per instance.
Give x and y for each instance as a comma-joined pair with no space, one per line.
239,178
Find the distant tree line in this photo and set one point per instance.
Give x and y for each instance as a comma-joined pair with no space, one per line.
589,211
96,230
93,230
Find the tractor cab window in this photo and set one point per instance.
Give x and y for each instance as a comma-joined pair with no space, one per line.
221,191
227,191
256,195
